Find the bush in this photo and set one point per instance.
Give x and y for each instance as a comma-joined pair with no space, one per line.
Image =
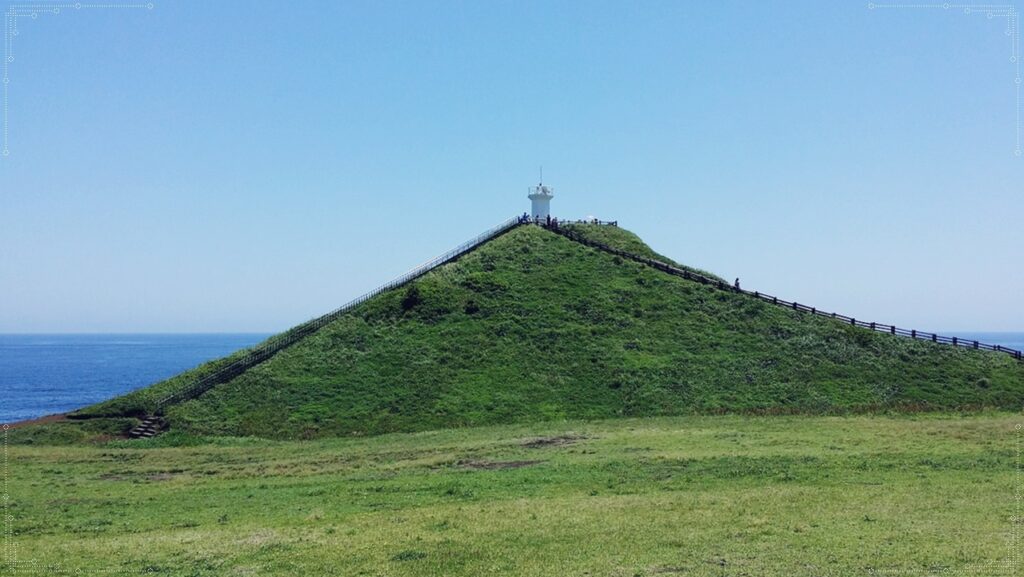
412,298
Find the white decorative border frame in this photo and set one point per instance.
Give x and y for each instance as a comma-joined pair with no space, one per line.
1007,11
11,31
1018,493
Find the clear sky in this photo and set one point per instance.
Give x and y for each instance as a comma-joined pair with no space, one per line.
243,166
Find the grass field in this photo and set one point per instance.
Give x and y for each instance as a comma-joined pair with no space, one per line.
731,495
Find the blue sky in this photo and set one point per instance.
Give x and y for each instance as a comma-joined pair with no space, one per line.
243,166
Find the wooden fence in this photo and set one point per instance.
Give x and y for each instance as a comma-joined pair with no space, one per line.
275,344
687,274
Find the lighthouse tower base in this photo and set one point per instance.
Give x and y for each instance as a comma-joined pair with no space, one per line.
540,202
541,208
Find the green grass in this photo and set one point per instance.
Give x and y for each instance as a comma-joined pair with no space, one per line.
534,327
461,426
623,239
727,495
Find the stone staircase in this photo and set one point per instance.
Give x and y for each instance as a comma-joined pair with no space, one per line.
149,427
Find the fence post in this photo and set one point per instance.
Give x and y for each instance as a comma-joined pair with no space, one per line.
853,322
892,330
954,341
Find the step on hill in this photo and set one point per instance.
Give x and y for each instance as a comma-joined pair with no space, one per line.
536,324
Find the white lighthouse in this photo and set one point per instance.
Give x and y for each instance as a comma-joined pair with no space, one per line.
540,199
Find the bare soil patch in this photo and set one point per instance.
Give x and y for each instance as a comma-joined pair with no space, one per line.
160,476
113,477
495,465
556,441
39,421
667,569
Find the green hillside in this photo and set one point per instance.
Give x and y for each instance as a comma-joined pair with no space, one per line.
533,326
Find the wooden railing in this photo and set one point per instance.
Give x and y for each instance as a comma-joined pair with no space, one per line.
275,344
555,222
694,276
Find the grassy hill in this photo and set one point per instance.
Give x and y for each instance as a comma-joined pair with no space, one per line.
533,326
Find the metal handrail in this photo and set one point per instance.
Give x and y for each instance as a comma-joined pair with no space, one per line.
276,343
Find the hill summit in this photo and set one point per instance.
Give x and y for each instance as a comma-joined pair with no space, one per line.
532,325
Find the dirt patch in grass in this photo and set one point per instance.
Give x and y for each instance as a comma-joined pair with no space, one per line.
113,477
259,538
667,570
556,441
160,476
495,465
39,421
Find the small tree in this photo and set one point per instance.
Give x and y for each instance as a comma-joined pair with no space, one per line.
412,298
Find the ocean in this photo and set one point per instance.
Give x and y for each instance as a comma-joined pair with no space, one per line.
1012,340
45,374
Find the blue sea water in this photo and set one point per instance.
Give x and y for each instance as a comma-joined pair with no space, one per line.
46,374
1012,340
